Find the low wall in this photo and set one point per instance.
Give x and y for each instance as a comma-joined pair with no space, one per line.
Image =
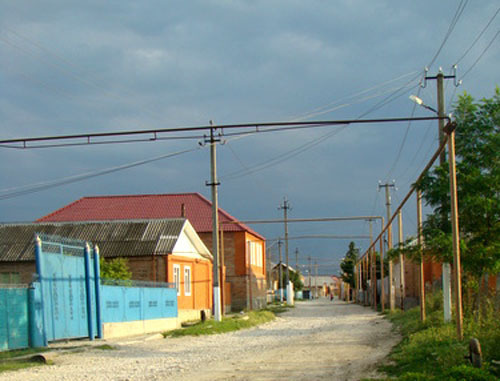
138,327
192,315
130,311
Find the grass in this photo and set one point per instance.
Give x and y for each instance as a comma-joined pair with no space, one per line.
431,351
228,324
8,360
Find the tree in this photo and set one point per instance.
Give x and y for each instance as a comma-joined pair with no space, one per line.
348,263
478,182
116,268
295,279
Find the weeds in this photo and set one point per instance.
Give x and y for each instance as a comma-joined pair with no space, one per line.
228,324
430,350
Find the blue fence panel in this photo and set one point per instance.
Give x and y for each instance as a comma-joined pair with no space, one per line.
121,304
63,283
14,323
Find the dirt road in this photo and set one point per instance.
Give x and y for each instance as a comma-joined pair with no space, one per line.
317,340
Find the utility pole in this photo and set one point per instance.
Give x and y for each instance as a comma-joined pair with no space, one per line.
297,259
420,244
382,285
310,273
440,77
454,229
215,222
280,272
387,186
286,207
315,279
401,262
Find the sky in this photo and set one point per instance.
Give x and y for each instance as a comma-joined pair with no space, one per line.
69,67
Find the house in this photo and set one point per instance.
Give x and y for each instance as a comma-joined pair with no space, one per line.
164,250
242,249
275,277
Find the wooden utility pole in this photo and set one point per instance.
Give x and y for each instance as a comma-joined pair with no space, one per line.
316,279
450,130
401,262
420,245
310,274
387,186
382,286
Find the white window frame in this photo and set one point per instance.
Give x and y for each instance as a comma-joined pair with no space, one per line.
177,278
256,253
187,280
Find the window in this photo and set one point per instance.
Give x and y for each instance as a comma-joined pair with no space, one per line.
255,251
187,280
177,278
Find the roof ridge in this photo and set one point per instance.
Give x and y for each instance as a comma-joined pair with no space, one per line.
57,211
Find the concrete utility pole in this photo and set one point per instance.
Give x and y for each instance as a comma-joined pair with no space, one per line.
280,272
420,243
215,222
387,186
440,77
286,207
297,259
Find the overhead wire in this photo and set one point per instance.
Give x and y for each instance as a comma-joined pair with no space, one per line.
402,144
327,108
481,55
312,143
37,187
478,37
69,68
451,27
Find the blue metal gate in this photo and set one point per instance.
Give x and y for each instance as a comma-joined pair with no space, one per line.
66,274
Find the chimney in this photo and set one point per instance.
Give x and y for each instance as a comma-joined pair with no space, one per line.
183,210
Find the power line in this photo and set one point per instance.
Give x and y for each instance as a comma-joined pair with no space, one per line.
453,23
398,156
88,139
478,37
481,55
321,110
32,188
69,68
281,157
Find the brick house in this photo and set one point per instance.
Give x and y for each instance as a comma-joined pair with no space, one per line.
242,249
166,250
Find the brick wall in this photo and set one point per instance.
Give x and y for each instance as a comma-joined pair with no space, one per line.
24,269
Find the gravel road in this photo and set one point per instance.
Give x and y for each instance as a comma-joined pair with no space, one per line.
317,340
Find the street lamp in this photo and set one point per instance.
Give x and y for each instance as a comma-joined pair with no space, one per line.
420,102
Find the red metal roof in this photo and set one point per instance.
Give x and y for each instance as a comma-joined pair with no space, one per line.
198,210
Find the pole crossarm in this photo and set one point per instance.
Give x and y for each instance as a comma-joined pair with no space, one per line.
152,134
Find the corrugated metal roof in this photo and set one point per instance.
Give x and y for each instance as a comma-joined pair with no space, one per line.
198,210
114,238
